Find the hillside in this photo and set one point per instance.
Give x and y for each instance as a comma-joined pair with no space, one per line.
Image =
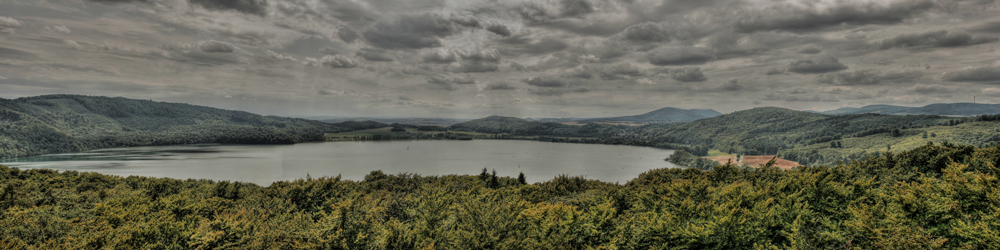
70,123
518,126
412,121
815,138
667,114
945,109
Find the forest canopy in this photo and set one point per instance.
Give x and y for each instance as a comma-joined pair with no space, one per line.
70,123
932,197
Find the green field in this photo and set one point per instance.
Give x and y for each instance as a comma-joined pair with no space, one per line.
717,153
971,133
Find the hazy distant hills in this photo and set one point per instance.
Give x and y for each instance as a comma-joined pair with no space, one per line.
517,126
70,123
411,121
667,114
948,109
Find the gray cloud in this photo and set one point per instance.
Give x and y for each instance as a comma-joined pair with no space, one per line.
939,38
646,32
732,85
499,29
797,96
443,57
347,34
619,71
816,65
410,32
213,46
692,74
210,53
930,89
809,18
973,74
609,49
119,1
476,67
470,22
9,22
556,92
255,7
478,61
575,8
680,56
522,44
60,28
334,61
439,79
869,77
774,71
548,82
251,37
487,56
534,12
444,80
9,25
463,80
518,67
498,86
991,27
810,49
374,55
546,92
635,51
329,51
441,82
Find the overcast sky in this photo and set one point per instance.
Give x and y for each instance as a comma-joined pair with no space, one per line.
473,58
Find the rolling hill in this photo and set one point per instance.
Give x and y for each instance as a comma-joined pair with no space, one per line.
810,138
945,109
518,126
667,114
70,123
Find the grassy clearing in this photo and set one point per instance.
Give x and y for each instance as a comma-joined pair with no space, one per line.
972,133
717,153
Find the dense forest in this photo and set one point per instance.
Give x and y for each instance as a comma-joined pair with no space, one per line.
808,138
70,123
768,130
935,196
522,127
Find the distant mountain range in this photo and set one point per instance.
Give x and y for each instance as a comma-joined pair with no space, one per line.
947,109
411,121
667,114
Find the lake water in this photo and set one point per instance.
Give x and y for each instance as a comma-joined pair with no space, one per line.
264,164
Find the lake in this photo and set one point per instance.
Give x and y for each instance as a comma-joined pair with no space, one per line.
264,164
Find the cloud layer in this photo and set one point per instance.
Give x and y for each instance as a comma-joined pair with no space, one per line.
471,58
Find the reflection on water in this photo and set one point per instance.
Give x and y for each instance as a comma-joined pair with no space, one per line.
264,164
127,154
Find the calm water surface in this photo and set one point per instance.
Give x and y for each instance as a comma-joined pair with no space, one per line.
264,164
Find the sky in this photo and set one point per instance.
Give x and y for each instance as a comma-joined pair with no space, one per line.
473,58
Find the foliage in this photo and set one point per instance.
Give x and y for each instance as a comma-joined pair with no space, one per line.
935,196
68,123
683,158
521,127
